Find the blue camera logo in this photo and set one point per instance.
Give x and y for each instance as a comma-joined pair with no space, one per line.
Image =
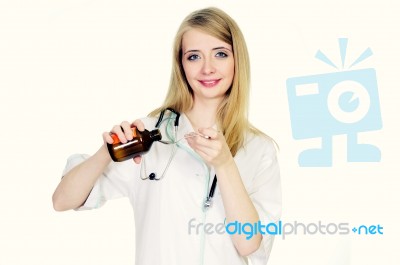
324,105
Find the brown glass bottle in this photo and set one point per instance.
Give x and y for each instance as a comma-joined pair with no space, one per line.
140,144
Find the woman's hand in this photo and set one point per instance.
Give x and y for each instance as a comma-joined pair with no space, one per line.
124,134
212,147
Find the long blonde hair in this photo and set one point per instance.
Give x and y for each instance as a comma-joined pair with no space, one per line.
232,115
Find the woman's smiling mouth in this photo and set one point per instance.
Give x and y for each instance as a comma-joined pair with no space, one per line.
209,83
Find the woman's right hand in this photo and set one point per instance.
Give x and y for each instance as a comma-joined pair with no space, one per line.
124,134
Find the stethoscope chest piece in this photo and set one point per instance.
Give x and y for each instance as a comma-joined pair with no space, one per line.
152,176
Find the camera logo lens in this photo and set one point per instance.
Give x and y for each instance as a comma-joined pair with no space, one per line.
348,101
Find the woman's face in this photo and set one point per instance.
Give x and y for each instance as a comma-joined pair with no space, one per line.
208,64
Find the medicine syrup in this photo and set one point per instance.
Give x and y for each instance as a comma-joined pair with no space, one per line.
140,144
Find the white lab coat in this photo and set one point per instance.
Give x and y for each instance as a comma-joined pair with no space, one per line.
163,209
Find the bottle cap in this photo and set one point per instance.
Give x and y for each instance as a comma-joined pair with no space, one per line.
155,135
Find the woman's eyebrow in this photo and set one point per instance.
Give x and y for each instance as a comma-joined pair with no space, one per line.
191,51
222,47
216,48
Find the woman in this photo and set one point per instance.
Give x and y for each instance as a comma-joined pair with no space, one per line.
175,223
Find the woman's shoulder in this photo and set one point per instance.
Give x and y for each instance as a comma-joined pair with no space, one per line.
149,122
258,142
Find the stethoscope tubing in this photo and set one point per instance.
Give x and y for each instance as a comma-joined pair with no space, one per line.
174,143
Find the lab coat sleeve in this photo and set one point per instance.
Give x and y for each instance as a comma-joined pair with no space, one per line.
265,193
114,182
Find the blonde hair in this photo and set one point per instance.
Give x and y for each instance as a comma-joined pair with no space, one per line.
232,115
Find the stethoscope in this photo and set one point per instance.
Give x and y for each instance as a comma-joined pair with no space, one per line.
174,143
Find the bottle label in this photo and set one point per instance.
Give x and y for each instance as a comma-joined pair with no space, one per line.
116,139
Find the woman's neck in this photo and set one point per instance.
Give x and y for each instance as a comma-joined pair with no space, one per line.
202,116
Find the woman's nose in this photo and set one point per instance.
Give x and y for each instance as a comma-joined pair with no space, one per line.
208,66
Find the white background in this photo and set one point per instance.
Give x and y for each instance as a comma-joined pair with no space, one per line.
69,70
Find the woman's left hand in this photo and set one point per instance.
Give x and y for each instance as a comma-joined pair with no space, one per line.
211,145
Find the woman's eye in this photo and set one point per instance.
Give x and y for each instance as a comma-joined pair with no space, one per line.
221,54
193,57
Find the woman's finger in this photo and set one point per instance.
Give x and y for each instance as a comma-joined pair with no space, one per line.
107,138
210,132
137,159
117,129
208,146
139,124
126,128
